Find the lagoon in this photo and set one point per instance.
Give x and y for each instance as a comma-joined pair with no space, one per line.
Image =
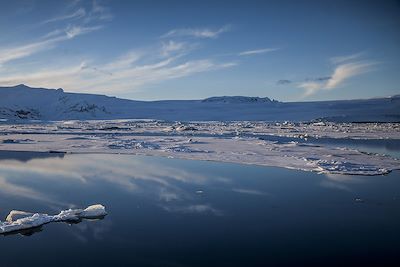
174,212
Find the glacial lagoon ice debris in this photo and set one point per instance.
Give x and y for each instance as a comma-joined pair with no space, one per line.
22,220
260,143
93,211
17,214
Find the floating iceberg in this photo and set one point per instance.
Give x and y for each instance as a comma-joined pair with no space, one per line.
22,220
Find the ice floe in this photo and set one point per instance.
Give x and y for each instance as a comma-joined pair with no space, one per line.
315,146
22,220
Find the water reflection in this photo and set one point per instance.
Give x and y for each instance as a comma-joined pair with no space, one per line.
25,232
34,230
169,212
25,156
131,174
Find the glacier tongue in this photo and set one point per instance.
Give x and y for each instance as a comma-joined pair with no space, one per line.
21,220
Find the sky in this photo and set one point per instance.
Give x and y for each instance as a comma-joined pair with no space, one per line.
150,50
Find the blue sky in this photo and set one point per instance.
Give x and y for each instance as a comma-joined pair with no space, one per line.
286,50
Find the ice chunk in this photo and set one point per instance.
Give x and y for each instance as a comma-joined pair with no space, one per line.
68,215
17,214
21,220
93,211
25,223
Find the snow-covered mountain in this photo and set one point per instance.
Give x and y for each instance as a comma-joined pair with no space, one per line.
237,99
25,103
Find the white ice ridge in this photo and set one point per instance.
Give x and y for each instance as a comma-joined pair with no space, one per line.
21,220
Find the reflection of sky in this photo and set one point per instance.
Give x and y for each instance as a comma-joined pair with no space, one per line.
164,180
36,179
158,203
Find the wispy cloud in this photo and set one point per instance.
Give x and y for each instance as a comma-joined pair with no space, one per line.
170,47
73,3
98,13
79,13
125,61
345,69
257,51
198,33
123,74
310,87
84,22
12,53
341,59
79,30
167,59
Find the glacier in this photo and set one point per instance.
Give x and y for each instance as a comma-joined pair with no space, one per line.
23,103
237,129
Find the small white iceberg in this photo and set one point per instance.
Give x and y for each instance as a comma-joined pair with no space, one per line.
22,220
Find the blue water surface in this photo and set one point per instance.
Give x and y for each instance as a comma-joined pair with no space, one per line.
170,212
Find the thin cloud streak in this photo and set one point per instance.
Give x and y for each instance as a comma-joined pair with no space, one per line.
198,33
257,51
10,54
79,13
98,13
123,62
341,59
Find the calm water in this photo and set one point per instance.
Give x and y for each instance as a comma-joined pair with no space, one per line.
168,212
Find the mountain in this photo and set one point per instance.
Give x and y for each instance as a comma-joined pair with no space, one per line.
237,99
24,103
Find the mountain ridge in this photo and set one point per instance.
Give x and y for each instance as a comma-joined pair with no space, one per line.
23,103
